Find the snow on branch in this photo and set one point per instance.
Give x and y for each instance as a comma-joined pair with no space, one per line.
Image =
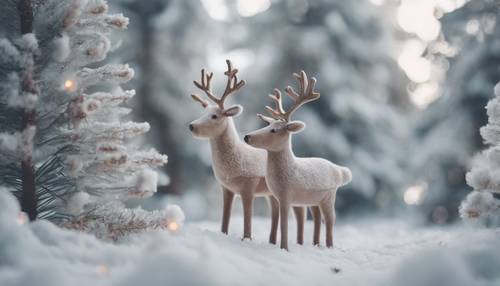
109,73
101,132
9,54
113,221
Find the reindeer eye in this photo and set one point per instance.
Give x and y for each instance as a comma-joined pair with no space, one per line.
214,116
273,130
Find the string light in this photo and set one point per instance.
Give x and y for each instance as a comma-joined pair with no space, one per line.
173,226
69,85
414,194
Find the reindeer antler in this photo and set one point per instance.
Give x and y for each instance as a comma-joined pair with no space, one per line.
232,85
306,94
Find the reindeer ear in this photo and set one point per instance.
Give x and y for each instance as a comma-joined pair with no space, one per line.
295,126
234,110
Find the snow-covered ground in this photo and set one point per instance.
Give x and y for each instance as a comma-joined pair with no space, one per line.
377,252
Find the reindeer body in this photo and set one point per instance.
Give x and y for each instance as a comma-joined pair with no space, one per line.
306,181
297,181
235,162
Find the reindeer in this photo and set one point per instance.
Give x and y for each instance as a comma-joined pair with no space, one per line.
297,181
239,168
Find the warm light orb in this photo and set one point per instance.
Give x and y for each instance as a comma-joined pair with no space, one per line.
414,194
69,85
173,226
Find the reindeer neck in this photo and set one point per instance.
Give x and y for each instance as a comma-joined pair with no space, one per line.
283,157
226,141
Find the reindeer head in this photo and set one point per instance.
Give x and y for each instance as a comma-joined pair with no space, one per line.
215,119
276,135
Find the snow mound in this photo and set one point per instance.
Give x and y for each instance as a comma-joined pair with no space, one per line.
376,252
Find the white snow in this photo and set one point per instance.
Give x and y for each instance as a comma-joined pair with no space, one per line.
62,48
375,252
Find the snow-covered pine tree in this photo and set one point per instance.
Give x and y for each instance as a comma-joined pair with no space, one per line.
83,163
484,177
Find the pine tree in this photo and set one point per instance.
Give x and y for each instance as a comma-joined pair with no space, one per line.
82,158
483,203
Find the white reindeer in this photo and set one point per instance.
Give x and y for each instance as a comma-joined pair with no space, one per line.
239,168
297,181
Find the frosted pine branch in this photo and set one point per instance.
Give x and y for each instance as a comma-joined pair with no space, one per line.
108,73
115,132
113,221
481,207
8,52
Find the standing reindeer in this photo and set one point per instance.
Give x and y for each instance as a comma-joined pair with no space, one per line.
239,168
297,181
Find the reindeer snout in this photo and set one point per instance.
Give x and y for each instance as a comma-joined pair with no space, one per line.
246,138
191,127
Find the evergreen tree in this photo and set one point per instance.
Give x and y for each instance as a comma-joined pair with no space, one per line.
73,138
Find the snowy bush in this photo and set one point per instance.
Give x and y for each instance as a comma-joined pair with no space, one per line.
484,177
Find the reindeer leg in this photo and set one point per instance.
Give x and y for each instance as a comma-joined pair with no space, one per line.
275,214
247,196
328,211
299,216
226,211
284,209
316,214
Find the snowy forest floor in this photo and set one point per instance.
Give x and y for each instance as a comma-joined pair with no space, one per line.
376,252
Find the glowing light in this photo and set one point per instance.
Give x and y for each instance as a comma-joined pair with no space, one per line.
472,27
417,68
216,9
242,58
102,270
251,8
418,17
378,2
414,194
448,6
69,85
173,226
425,94
22,218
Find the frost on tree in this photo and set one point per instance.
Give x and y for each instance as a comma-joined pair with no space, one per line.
484,176
84,162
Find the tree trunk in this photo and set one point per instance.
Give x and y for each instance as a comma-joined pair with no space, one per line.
28,86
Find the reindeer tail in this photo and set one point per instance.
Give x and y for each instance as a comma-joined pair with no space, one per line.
346,175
